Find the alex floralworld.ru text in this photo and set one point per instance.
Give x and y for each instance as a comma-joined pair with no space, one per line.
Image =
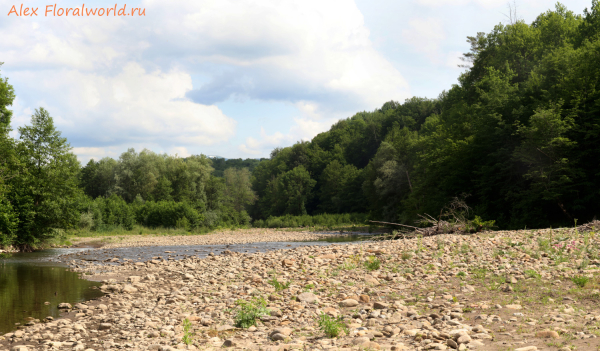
53,10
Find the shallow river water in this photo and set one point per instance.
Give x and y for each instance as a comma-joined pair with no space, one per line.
30,280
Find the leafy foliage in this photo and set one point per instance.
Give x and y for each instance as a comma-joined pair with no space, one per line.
517,133
249,311
332,327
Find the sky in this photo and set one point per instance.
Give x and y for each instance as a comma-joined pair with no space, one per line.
233,78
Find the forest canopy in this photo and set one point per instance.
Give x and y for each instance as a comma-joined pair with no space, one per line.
517,137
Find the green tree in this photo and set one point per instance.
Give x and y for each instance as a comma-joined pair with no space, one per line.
239,188
45,192
8,165
295,189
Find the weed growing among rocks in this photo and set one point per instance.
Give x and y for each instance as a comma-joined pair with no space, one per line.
249,311
332,327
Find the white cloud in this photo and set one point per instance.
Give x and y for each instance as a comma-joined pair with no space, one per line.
125,81
255,146
321,50
132,106
84,154
425,35
180,151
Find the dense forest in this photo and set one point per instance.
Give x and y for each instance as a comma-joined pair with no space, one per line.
517,137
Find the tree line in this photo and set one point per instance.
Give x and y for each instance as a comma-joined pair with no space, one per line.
517,137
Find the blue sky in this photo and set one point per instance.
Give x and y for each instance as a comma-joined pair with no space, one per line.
234,78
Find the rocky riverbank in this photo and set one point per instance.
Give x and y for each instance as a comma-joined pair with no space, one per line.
226,237
522,291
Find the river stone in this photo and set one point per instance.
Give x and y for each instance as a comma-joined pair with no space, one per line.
225,328
527,348
360,340
307,297
278,337
379,306
547,334
228,343
452,343
64,305
284,331
463,339
349,303
19,348
369,279
104,326
129,289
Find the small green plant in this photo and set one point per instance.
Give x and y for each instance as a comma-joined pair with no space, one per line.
478,224
332,327
348,265
278,285
5,255
308,287
530,273
406,255
187,332
249,311
465,248
580,280
372,263
584,264
461,274
479,273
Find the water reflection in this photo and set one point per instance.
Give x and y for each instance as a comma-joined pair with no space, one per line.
27,282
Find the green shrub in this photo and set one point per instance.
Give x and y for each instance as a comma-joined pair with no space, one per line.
326,220
278,285
372,263
187,332
249,311
86,220
332,326
580,280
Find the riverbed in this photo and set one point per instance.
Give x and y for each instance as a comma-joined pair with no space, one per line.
33,284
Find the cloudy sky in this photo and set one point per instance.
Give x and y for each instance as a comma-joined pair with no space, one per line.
234,78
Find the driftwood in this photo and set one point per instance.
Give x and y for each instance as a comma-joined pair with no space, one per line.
591,226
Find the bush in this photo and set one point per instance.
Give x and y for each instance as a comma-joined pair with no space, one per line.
249,311
372,263
332,326
580,280
326,220
86,220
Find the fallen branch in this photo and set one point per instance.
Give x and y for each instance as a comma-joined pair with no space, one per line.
402,225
